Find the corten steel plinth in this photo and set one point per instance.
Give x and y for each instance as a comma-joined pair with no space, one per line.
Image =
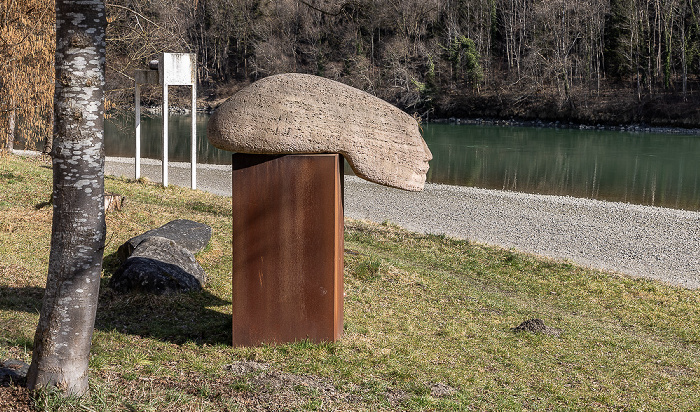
287,248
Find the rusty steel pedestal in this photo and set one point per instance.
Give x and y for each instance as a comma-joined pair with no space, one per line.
287,248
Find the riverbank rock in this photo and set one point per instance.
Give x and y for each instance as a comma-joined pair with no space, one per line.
191,235
161,266
298,113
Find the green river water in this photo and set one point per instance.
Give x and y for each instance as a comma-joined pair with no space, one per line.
641,168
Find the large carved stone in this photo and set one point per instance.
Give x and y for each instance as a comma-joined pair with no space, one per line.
298,113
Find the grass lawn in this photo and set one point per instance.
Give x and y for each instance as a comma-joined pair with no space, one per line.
428,323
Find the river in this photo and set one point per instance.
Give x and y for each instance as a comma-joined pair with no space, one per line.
642,168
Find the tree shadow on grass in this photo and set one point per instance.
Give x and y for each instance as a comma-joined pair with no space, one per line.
186,317
17,328
21,299
198,317
178,318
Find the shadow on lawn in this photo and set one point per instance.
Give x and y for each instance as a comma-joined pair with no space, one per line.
179,318
21,299
189,317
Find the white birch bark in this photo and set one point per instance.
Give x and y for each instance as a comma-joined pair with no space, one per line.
64,334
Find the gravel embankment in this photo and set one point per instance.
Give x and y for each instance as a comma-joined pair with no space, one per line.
657,243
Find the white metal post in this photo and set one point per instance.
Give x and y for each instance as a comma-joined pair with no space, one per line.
165,135
173,69
194,136
137,156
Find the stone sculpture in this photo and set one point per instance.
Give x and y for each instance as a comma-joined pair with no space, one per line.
298,113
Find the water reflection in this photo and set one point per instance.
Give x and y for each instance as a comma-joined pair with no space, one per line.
120,139
643,168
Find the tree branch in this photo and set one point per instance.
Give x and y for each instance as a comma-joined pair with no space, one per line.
311,6
134,12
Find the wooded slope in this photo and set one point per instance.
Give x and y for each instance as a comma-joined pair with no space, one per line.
588,61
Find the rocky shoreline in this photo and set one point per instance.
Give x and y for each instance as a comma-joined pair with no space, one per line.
511,122
637,128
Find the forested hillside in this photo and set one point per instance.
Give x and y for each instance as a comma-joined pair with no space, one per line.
585,60
589,61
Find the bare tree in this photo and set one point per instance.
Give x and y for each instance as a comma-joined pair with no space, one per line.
64,333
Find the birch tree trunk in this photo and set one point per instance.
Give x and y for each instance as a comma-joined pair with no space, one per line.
64,334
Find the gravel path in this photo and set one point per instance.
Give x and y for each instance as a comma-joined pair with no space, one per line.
210,178
657,243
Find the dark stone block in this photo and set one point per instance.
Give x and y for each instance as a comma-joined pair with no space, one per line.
13,371
160,266
191,235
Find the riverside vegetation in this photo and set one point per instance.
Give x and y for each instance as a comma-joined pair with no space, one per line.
587,61
428,323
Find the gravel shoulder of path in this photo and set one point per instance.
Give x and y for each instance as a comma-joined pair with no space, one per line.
215,179
638,241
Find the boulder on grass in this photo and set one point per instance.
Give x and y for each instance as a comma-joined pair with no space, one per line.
191,235
13,371
159,266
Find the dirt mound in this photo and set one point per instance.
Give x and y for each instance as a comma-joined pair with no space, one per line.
536,326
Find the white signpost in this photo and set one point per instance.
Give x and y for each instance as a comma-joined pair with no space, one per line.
173,69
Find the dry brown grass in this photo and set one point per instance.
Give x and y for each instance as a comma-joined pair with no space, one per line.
428,324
